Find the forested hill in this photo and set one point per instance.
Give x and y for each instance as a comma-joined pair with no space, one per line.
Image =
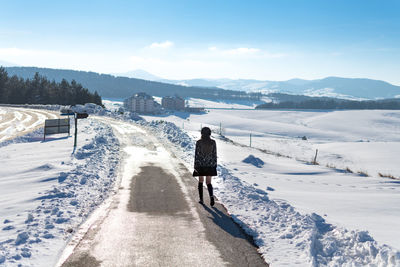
283,101
121,87
39,90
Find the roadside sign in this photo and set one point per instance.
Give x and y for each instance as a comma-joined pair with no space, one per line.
67,114
81,115
66,110
56,126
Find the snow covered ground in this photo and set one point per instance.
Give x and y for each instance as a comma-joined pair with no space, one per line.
47,188
302,214
363,141
299,214
313,213
197,102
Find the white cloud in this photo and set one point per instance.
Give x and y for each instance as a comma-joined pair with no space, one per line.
166,44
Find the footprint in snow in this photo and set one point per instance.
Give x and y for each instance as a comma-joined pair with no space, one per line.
9,227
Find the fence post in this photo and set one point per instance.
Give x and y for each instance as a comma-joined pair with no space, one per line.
315,158
76,129
250,139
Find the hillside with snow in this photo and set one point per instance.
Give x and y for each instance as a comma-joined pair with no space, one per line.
347,88
140,80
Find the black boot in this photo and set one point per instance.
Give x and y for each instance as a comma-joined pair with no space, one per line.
200,187
210,192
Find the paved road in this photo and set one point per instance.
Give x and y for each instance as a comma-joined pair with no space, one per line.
155,220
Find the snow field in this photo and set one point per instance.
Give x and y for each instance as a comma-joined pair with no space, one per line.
47,190
362,141
17,121
285,235
298,214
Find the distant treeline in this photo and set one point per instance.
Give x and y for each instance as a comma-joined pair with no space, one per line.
325,103
39,90
122,87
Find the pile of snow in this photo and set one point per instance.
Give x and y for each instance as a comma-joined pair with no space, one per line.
112,105
171,132
89,108
254,161
285,236
56,190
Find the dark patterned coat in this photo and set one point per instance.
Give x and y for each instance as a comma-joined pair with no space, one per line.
205,159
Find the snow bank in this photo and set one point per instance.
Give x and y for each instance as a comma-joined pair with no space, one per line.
43,231
285,236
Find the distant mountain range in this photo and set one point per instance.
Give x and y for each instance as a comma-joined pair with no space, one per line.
109,86
347,88
125,84
139,74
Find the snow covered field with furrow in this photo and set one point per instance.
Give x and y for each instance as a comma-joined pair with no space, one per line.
17,121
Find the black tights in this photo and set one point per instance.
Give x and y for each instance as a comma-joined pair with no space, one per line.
209,187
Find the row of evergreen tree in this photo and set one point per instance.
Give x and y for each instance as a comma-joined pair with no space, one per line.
39,90
334,104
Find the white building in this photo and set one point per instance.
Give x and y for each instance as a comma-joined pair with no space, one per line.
173,103
140,103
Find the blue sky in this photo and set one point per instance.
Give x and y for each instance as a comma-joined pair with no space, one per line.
268,40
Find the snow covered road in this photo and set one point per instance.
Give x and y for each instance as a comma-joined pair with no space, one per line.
155,219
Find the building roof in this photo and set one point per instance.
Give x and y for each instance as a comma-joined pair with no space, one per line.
142,95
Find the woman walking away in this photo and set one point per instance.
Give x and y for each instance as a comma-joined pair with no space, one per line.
205,162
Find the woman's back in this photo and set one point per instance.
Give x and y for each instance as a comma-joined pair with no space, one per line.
206,153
